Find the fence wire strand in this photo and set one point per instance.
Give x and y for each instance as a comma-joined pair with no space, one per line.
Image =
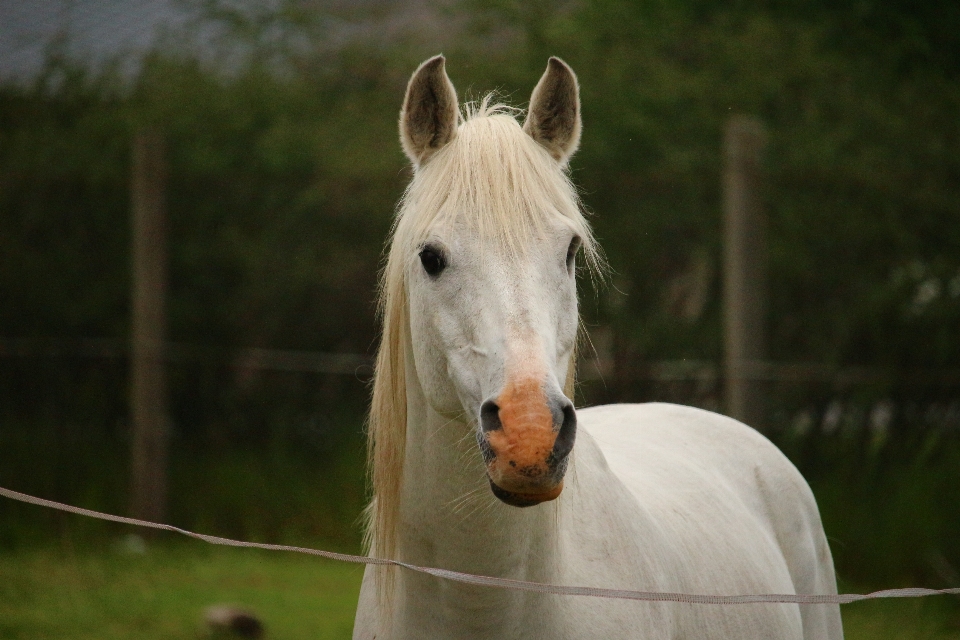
503,583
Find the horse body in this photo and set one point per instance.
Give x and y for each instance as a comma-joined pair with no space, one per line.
661,498
472,429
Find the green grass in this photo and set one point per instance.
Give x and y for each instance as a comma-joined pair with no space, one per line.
54,593
87,595
930,618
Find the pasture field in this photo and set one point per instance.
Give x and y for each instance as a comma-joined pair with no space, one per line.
113,595
87,594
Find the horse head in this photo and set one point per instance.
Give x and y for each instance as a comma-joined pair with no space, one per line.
488,237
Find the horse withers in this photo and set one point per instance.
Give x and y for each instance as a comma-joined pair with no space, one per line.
479,461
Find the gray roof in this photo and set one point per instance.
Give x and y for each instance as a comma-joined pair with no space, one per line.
91,32
94,33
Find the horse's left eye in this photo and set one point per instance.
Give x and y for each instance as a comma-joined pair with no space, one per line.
432,260
572,252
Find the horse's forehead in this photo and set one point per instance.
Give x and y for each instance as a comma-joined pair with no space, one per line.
470,238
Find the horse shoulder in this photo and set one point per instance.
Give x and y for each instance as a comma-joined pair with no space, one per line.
734,514
679,449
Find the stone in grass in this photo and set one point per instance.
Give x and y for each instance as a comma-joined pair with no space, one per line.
228,621
131,545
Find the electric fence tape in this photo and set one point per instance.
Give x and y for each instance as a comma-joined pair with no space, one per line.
505,583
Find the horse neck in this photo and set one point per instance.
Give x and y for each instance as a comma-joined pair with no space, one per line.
448,516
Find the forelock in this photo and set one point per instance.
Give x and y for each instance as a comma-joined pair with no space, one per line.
495,179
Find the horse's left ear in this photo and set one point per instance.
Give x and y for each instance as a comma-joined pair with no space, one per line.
553,119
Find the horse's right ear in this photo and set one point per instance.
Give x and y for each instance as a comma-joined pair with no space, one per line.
428,119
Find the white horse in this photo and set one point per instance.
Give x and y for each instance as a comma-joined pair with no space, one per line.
472,426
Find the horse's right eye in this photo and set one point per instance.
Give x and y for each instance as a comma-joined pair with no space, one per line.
432,260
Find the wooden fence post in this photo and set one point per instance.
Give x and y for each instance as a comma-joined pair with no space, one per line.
744,269
148,388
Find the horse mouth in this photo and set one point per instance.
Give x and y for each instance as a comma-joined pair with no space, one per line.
517,499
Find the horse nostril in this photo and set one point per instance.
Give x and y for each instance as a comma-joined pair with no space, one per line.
490,416
568,433
485,449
